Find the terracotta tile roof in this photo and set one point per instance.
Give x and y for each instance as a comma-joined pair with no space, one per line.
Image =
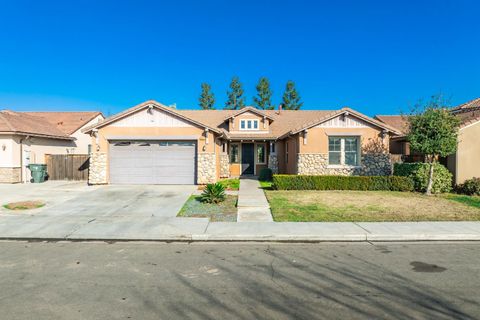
397,121
468,112
22,123
467,106
283,122
147,104
67,122
468,117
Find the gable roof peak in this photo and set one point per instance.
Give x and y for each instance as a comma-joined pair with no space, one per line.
251,109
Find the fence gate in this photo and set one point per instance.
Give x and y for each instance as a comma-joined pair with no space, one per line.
67,166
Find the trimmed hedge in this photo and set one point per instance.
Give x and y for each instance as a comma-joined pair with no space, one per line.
419,172
364,183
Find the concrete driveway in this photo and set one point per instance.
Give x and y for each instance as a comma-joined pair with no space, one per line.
76,209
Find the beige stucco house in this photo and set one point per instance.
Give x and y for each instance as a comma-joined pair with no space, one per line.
155,144
26,137
464,163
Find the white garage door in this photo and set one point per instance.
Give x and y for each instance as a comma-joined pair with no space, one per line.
152,162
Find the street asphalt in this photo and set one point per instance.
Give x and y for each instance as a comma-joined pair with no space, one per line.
153,280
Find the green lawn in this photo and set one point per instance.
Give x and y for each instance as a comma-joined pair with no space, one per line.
224,211
364,206
473,201
267,185
230,184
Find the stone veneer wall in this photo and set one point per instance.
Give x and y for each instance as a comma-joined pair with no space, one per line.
97,173
206,168
273,163
373,164
224,166
10,175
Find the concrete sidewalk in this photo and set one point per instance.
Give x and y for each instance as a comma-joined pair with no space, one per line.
252,204
199,229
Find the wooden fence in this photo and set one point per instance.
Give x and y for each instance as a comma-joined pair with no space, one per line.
67,166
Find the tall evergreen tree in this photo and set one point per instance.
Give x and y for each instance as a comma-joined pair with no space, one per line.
291,98
207,98
264,94
235,100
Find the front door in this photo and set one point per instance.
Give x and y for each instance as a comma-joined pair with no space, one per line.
248,158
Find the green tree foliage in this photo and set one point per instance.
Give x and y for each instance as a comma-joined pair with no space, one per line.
235,98
264,94
433,132
207,98
291,98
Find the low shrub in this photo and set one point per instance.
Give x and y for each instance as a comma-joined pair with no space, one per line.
366,183
470,187
265,174
419,172
213,193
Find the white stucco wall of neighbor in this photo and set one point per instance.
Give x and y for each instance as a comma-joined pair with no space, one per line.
83,140
8,152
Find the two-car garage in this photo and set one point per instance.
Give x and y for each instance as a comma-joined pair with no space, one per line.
152,162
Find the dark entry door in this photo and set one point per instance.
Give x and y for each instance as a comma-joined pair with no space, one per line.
248,159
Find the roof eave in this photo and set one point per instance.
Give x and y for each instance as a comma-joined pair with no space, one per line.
40,135
144,105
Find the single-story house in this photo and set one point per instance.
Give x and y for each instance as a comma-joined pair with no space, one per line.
463,164
154,144
26,137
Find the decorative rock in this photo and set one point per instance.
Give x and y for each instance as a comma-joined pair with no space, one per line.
273,163
206,168
97,173
224,166
372,164
10,175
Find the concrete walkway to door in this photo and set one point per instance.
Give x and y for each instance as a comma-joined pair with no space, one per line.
252,203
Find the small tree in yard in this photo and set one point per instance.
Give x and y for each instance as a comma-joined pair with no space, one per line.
207,98
433,132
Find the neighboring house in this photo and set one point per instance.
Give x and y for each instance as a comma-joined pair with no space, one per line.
464,163
154,144
26,137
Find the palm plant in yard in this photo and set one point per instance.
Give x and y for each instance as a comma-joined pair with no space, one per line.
213,193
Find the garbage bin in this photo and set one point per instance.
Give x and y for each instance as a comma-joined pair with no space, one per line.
39,172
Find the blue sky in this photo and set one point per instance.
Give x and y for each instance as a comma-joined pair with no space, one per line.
378,57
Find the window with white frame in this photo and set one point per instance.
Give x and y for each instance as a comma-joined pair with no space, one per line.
343,151
249,124
261,153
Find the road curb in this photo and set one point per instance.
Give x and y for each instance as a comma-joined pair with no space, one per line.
246,238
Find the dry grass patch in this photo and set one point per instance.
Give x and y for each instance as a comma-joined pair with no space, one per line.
24,205
366,206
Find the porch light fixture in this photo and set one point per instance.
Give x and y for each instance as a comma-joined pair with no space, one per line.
206,136
4,147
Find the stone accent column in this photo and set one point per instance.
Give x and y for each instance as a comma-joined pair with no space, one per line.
273,162
376,164
224,166
97,173
206,168
10,175
312,163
